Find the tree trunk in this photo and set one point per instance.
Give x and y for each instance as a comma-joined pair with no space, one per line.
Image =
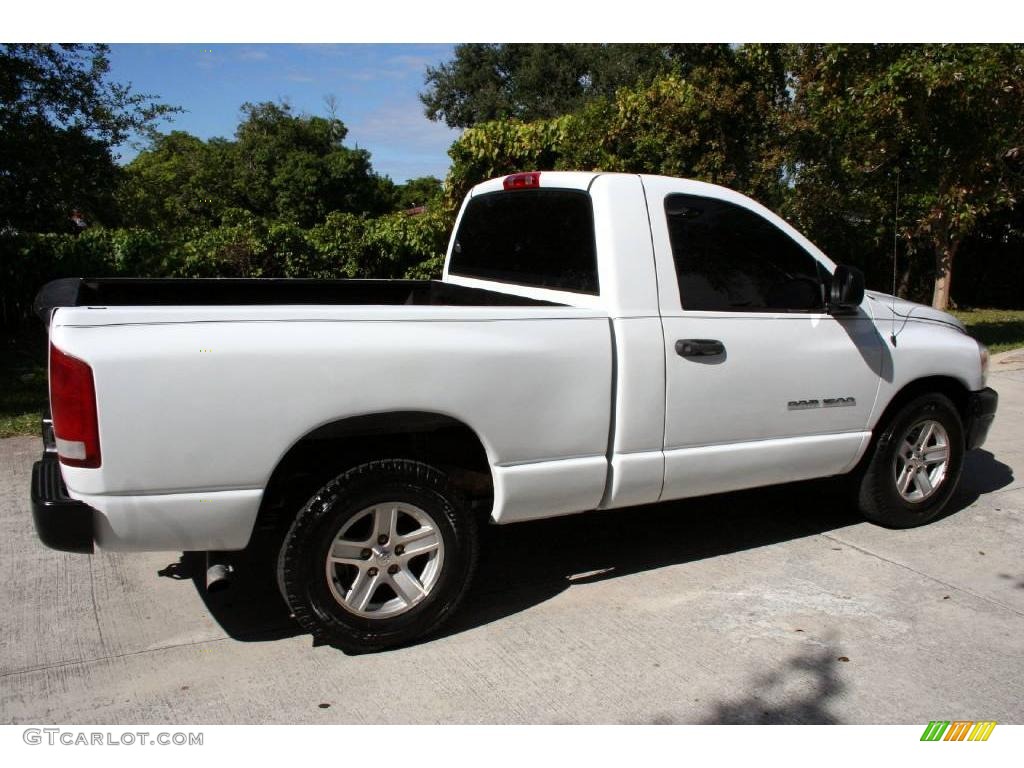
945,252
903,288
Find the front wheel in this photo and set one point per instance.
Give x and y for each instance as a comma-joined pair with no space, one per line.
916,464
380,556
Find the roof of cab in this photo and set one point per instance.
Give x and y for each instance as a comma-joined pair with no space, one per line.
578,180
561,179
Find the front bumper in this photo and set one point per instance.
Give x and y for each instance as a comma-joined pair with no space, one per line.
61,522
981,411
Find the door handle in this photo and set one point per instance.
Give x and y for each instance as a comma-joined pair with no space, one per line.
699,348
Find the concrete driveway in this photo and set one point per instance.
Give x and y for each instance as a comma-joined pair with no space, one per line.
776,605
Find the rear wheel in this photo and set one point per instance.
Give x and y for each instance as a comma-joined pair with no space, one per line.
380,556
916,464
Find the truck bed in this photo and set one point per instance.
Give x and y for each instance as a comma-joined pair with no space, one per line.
139,292
182,375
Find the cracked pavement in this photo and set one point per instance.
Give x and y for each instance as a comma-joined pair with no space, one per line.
770,606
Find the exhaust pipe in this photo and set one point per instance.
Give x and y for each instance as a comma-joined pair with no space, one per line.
218,572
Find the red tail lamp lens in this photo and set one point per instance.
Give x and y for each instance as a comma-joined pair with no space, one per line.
73,406
522,180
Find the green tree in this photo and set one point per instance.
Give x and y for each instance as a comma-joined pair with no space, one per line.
819,132
60,117
180,180
485,82
948,120
718,124
417,192
280,165
297,168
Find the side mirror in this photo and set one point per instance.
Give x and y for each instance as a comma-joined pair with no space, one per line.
847,289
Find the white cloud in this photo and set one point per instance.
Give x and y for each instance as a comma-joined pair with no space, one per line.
403,124
402,141
253,54
362,75
414,63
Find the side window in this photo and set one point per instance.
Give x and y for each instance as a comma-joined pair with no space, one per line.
728,258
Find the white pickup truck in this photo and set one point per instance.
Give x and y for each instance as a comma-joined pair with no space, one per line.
597,340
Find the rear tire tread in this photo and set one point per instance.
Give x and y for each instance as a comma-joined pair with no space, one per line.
348,485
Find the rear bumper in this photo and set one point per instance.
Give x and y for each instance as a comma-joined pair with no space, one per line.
61,522
221,520
981,411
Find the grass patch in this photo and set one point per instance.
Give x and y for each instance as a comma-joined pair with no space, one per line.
23,391
997,329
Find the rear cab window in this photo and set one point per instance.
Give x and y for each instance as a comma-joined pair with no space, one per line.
542,238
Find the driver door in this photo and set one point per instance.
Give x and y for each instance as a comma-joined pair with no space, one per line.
763,386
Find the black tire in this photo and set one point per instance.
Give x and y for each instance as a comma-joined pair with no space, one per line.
879,498
302,563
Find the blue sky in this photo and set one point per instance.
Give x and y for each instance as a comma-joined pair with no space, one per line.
375,86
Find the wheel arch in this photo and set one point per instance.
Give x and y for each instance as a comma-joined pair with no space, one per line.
336,446
873,476
949,386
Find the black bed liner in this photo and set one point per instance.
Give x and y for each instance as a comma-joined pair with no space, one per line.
140,292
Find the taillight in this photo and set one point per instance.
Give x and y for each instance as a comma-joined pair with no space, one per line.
522,180
73,406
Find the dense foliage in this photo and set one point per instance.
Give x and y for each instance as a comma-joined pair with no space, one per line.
280,165
242,245
284,198
530,81
946,121
820,133
718,124
59,118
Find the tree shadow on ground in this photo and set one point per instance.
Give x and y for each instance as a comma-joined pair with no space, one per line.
814,673
526,564
798,692
1018,579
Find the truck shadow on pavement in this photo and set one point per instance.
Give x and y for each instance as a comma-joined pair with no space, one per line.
251,609
526,564
982,474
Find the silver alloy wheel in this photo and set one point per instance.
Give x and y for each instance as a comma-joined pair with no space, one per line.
385,560
919,467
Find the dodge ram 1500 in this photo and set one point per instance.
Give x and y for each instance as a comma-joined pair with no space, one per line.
597,340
